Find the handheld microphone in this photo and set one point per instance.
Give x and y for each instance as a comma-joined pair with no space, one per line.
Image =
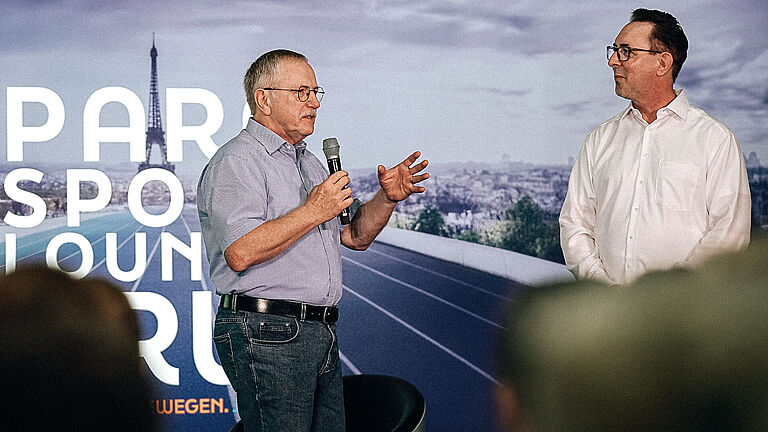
331,150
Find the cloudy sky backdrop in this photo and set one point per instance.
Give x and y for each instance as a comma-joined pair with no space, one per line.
459,80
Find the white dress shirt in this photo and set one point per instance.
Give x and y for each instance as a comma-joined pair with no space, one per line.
654,196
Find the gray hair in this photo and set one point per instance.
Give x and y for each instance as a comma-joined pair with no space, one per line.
264,71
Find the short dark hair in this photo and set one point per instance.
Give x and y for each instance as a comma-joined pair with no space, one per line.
667,35
263,72
70,355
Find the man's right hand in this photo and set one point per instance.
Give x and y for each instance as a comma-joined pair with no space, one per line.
272,237
330,197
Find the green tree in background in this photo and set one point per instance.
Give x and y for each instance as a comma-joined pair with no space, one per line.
469,236
524,225
430,221
526,231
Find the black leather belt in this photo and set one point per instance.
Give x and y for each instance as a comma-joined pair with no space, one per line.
302,311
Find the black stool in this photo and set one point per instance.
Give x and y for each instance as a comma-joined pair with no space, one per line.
380,403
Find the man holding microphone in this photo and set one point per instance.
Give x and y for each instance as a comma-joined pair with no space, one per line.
268,213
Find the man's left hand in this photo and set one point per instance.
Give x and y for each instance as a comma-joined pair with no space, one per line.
400,181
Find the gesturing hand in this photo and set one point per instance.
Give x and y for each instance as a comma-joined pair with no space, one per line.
400,181
330,197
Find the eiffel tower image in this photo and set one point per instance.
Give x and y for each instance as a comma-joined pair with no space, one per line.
155,133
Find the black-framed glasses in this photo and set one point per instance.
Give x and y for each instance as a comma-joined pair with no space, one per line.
624,51
303,92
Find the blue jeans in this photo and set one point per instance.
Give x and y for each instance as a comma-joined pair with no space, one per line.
286,371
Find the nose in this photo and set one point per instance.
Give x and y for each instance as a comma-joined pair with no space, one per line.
313,102
614,60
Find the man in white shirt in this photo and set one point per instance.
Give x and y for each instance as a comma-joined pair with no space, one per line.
660,185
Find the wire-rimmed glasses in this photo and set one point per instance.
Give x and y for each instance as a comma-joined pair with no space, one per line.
303,92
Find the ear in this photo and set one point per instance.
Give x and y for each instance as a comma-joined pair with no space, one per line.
665,64
263,102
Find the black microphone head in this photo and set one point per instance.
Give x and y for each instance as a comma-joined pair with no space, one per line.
331,148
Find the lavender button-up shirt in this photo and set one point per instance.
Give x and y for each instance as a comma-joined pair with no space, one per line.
253,178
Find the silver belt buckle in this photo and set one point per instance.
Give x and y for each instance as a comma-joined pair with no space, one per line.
262,306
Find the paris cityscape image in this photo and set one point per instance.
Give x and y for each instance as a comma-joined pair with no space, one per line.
468,201
112,110
492,132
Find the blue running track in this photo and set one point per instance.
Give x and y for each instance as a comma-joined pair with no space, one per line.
428,321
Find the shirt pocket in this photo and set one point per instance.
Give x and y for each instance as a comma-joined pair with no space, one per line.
676,185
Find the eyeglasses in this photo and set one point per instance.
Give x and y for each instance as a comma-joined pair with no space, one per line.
624,51
303,92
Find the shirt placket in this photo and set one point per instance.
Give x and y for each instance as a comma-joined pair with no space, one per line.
305,181
325,233
639,198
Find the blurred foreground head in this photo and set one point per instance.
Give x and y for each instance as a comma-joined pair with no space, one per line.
69,357
675,351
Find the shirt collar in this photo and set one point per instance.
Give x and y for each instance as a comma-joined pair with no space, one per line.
270,140
679,106
300,147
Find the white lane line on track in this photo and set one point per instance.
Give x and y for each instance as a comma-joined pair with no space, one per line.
101,239
203,283
120,246
424,336
42,251
428,294
349,364
452,279
149,260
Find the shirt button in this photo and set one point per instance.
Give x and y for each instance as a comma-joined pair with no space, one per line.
631,237
629,266
636,209
641,182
